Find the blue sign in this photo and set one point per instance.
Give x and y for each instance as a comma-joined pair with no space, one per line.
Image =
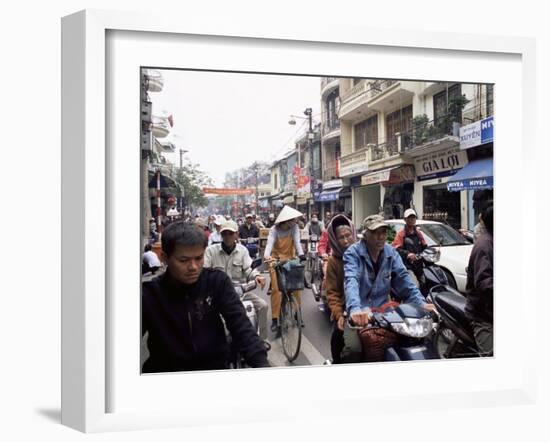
470,184
328,195
487,126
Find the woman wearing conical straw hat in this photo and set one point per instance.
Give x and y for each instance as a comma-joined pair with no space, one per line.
283,243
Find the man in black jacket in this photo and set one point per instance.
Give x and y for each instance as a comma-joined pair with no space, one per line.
182,310
247,230
409,241
479,285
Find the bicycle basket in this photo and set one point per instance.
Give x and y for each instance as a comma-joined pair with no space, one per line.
291,276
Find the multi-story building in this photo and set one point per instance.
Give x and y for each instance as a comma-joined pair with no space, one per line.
334,195
400,146
308,177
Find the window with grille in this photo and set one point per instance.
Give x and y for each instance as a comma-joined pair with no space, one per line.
399,121
366,132
441,107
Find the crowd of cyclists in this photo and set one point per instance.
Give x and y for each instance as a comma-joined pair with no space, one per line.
189,306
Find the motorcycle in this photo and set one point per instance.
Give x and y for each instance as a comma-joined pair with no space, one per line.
251,245
454,337
433,275
236,359
414,327
314,274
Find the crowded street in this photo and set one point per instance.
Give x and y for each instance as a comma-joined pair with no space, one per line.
356,231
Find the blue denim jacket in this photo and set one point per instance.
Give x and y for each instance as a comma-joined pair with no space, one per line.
363,290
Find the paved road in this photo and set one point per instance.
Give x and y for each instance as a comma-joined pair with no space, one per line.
315,348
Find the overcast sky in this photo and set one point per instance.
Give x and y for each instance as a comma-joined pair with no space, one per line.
227,121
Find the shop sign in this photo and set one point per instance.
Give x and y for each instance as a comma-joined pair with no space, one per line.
353,169
440,164
375,177
301,201
288,199
477,133
401,174
333,184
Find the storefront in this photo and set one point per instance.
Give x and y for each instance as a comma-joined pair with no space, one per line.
333,198
432,199
476,181
389,190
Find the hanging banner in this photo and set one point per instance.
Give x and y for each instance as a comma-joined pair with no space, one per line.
226,191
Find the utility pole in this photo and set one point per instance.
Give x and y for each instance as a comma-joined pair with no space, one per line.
255,166
182,190
308,113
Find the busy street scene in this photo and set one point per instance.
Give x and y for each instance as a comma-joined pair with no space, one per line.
300,220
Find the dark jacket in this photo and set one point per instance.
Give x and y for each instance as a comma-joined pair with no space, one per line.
479,282
185,329
410,242
246,231
334,279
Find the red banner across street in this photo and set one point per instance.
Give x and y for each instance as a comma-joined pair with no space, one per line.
226,191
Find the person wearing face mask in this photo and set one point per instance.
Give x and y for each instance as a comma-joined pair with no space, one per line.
283,243
314,226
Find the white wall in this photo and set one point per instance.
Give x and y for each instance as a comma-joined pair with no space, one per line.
30,113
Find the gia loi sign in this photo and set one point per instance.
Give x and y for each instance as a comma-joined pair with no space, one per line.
440,164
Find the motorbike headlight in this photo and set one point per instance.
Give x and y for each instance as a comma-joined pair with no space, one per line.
413,327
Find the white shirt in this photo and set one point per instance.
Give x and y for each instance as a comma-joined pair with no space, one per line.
151,259
214,238
236,265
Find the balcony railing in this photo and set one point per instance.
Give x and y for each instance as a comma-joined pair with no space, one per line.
330,125
422,134
327,80
330,171
384,151
354,158
379,86
371,89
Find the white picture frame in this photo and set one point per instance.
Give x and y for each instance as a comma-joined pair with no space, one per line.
88,213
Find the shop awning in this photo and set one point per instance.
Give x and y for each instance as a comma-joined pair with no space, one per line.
165,181
475,175
328,195
288,199
390,175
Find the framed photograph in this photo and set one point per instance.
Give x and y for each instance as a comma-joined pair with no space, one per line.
104,58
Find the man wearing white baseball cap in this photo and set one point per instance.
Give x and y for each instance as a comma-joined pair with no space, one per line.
233,259
408,242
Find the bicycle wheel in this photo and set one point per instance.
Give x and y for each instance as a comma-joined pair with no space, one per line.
308,270
291,327
316,274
